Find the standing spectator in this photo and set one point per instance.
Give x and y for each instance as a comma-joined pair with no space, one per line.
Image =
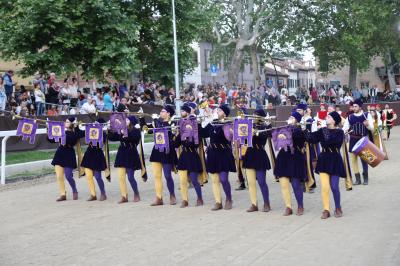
364,94
41,81
348,98
39,100
73,90
3,96
65,110
373,92
9,84
122,89
356,94
109,99
314,94
53,93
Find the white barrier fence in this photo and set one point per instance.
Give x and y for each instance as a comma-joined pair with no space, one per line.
6,135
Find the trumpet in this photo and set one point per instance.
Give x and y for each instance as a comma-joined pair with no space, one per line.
139,114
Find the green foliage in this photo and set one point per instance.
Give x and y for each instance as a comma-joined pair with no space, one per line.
155,42
94,36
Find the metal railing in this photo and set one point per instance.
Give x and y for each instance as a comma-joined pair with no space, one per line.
6,135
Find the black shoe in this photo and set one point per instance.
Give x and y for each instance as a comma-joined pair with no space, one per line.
358,180
241,187
365,177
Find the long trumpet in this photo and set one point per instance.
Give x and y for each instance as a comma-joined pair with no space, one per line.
139,114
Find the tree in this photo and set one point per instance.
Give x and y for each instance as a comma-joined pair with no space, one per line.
155,42
96,37
243,24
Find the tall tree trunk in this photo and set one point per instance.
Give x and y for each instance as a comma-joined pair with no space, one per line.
390,71
236,62
254,62
276,73
352,74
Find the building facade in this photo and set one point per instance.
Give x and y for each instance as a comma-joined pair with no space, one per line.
375,75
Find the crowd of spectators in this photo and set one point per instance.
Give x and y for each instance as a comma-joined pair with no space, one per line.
51,96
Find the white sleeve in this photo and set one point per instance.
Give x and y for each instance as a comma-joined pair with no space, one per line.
370,122
346,125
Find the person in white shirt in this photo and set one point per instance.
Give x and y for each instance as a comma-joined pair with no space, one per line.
89,106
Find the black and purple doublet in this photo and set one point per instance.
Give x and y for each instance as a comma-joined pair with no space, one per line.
94,158
127,154
164,157
219,151
256,157
65,154
189,158
330,160
292,165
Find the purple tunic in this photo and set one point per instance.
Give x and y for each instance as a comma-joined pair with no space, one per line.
256,157
329,160
292,165
219,152
127,154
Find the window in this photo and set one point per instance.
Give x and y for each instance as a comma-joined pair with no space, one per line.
207,64
364,84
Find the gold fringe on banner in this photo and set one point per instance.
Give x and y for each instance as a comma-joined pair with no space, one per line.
346,161
106,151
81,170
142,162
203,176
310,175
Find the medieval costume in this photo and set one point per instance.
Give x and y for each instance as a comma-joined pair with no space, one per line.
256,163
220,160
389,116
127,160
291,167
94,162
358,125
64,160
330,165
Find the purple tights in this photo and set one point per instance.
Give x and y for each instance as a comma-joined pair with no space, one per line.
223,177
100,183
132,181
167,169
261,175
70,178
194,178
334,182
298,191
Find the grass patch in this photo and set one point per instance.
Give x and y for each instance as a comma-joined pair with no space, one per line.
15,157
42,172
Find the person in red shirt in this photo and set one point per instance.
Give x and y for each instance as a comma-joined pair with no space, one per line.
222,95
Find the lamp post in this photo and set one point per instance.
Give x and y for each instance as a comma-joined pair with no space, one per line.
177,91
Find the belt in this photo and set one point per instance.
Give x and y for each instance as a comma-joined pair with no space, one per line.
336,150
189,149
257,147
219,146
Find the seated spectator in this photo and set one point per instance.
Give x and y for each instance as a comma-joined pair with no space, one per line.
52,111
89,106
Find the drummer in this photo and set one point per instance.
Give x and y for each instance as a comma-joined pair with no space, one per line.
358,125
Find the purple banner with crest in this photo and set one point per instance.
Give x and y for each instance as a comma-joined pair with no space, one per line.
56,131
94,134
243,131
27,129
118,123
188,129
161,139
282,138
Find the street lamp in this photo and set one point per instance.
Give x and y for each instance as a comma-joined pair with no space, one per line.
177,91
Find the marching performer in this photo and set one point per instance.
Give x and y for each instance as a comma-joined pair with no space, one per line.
127,160
189,163
220,160
164,160
313,148
256,163
330,164
389,116
64,159
358,124
94,162
291,167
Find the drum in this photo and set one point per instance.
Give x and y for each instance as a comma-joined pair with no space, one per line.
368,152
